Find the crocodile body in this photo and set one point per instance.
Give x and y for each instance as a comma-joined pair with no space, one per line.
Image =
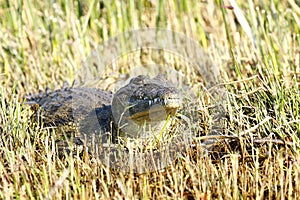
84,112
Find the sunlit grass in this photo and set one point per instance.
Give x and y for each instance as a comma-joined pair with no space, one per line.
45,43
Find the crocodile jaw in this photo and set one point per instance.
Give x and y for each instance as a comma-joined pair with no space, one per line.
144,101
157,111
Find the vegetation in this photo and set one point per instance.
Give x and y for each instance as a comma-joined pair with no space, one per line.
254,44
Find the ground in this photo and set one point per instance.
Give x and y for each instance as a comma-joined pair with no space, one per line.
253,44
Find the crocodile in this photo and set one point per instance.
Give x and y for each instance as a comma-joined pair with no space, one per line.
83,112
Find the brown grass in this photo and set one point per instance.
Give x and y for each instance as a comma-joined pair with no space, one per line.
45,43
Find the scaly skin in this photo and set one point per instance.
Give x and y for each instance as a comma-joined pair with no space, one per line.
144,101
84,112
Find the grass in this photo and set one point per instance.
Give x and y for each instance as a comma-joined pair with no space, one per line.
257,51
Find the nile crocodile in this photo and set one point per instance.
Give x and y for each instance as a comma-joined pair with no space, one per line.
83,112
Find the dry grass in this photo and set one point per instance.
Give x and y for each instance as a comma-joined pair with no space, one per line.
257,51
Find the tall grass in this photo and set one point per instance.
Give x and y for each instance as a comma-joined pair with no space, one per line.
43,43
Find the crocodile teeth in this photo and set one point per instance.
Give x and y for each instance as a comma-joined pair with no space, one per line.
154,101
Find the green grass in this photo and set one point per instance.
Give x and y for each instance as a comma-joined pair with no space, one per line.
45,43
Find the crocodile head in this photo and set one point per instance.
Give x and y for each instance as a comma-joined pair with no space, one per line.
143,101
